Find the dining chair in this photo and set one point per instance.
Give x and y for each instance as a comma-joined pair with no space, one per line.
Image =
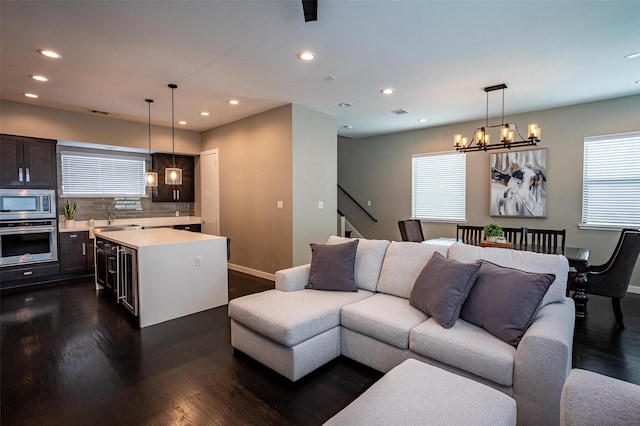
411,230
469,234
545,240
611,279
516,236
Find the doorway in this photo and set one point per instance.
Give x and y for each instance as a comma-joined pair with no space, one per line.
209,192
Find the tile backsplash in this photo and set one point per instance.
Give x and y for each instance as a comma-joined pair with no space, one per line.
125,208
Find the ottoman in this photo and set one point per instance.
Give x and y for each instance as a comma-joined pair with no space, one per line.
417,393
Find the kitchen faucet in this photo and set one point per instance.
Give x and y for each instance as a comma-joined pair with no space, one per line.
111,216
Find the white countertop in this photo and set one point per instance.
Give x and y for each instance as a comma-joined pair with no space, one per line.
152,237
83,225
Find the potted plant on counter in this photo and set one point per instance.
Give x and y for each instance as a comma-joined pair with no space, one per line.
69,210
492,232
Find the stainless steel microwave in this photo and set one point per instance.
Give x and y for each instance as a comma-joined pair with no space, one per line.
16,204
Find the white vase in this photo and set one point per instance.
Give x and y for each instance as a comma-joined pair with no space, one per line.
69,223
492,239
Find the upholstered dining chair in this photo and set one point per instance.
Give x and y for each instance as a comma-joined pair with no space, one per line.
411,230
469,234
612,278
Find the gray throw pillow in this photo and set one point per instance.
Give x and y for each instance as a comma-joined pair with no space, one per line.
332,267
442,287
504,301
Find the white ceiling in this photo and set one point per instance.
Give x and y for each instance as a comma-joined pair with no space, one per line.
438,55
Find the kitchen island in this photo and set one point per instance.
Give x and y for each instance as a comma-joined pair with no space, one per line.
163,274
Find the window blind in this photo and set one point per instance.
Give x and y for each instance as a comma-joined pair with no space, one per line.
439,186
611,180
102,175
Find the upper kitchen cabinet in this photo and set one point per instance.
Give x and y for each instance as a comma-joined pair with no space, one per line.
182,193
27,162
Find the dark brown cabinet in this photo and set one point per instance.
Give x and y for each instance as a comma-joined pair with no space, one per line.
27,162
76,252
171,193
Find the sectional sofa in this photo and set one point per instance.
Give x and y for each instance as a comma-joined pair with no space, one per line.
294,329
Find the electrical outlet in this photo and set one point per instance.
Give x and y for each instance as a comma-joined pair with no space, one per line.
368,203
280,204
321,204
198,260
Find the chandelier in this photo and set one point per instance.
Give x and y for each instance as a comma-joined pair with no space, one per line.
508,132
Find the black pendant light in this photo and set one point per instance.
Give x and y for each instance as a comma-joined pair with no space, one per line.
173,175
151,177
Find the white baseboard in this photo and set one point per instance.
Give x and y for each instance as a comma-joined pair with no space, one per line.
633,289
254,272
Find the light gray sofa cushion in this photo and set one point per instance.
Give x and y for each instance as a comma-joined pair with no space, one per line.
383,317
591,399
415,393
402,264
467,347
519,259
291,317
369,258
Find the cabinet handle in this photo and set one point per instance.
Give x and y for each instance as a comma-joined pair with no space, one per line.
19,174
84,249
28,175
27,273
73,236
178,192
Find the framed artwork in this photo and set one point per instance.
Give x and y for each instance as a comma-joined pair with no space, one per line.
519,183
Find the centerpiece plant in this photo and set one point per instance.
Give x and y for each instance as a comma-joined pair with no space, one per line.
492,231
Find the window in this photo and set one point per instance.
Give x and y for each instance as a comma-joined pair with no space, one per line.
611,181
439,187
102,175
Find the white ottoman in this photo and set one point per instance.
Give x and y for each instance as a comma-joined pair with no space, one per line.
415,393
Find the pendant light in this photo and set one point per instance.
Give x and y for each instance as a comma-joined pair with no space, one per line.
173,175
151,177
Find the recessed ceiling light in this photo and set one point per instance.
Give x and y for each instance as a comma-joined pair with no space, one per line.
306,56
344,105
31,95
329,78
637,81
38,77
234,101
204,113
633,55
347,127
182,122
50,53
422,120
388,91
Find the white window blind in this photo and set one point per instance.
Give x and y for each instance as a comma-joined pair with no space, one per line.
611,180
439,187
92,174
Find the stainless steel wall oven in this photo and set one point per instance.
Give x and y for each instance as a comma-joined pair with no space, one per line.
28,226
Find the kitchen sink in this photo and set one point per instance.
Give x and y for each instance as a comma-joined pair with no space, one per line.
111,228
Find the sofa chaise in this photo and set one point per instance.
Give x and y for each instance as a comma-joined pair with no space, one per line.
294,330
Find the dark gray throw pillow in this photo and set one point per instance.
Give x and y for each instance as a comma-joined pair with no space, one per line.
442,287
504,301
332,267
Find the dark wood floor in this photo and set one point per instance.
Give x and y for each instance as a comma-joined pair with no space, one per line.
71,356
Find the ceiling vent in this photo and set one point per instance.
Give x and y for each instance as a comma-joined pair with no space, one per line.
400,111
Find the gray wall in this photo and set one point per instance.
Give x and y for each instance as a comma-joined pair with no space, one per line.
315,179
379,169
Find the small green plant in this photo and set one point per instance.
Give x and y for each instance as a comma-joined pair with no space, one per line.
492,230
69,210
